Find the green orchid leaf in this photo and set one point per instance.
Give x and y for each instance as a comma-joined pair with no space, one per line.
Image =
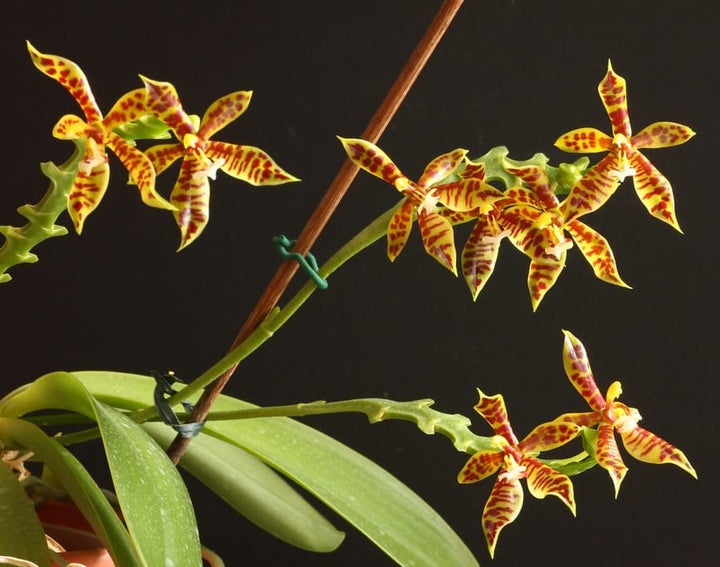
77,482
396,519
254,490
21,534
164,533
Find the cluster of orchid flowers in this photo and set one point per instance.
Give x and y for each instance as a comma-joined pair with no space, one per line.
516,460
454,190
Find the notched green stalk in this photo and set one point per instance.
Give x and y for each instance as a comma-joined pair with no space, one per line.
19,241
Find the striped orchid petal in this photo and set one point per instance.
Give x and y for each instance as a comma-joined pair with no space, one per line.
661,135
480,466
248,164
191,197
163,102
613,93
593,189
648,447
501,509
577,368
543,273
372,159
222,112
538,181
440,167
543,480
163,156
584,141
88,188
654,190
438,239
480,253
608,456
548,436
468,195
493,410
597,252
399,229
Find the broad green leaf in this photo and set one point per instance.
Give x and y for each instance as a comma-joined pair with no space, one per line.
164,533
375,502
21,534
254,490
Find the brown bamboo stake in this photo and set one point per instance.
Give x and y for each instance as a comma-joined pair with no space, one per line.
326,207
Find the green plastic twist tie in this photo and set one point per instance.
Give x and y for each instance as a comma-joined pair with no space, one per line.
308,262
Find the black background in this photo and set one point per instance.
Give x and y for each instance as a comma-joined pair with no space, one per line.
513,73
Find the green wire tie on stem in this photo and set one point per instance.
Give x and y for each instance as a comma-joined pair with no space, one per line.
308,262
163,387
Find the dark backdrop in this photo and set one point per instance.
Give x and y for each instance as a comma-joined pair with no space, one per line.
517,73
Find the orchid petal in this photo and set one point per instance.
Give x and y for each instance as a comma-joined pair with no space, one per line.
163,102
648,447
223,111
191,197
653,189
577,368
493,410
538,181
71,127
440,167
248,164
584,141
399,229
597,252
480,466
129,107
548,436
467,195
522,196
438,239
613,92
480,253
543,480
608,456
163,156
87,192
661,135
473,171
542,275
583,419
502,507
372,159
593,189
70,76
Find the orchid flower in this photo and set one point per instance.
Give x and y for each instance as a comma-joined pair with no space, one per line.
515,460
612,416
422,199
624,157
202,157
94,173
534,223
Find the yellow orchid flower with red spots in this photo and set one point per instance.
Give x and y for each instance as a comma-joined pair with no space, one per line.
624,157
422,199
202,157
94,172
515,460
612,417
533,220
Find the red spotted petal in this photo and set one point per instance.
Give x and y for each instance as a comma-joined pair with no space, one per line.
492,408
467,195
593,189
522,196
372,159
70,76
543,480
473,171
71,127
536,178
596,251
577,368
548,436
163,156
653,189
584,141
163,102
661,135
248,163
442,166
583,419
503,506
129,107
613,93
399,229
438,239
542,275
86,193
191,197
608,455
480,253
648,447
480,466
223,111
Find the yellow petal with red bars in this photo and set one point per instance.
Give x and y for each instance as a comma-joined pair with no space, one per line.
129,107
440,167
661,135
543,480
399,229
480,466
473,171
584,141
248,163
543,273
87,192
608,456
536,178
480,253
648,447
597,252
372,159
438,239
467,195
71,127
522,196
141,170
191,197
163,156
164,104
613,92
502,507
493,410
577,368
593,189
548,436
70,76
223,111
653,189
